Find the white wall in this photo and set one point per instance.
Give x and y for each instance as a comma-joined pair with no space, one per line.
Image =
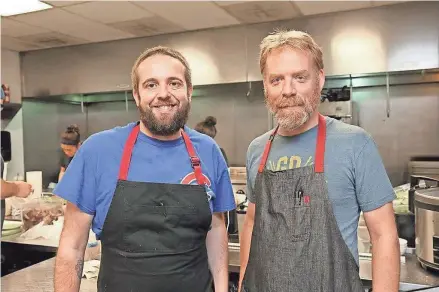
10,74
388,38
10,69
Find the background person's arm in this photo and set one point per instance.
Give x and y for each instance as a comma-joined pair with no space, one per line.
16,188
62,170
70,256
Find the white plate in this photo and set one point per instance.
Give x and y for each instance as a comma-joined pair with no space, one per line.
9,225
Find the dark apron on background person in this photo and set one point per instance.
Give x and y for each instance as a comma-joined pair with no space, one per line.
2,201
154,236
296,243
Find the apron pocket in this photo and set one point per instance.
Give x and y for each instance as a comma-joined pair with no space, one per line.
162,229
301,223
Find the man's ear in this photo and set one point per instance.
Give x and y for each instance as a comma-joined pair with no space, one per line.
190,90
136,97
321,79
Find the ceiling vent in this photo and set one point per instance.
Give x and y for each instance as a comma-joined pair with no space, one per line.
147,26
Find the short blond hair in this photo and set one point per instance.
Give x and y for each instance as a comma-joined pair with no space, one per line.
160,50
294,39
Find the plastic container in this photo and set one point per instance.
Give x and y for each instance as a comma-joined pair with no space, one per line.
41,209
402,246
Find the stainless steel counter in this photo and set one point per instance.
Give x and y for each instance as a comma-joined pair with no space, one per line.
39,278
41,275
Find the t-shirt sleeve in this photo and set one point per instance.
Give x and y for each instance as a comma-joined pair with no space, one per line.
62,160
224,198
78,184
373,187
251,173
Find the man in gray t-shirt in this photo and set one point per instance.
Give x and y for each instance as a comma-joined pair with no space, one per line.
355,175
308,181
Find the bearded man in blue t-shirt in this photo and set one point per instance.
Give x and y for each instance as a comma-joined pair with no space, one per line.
153,191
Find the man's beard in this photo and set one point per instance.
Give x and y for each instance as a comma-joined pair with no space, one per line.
164,128
293,112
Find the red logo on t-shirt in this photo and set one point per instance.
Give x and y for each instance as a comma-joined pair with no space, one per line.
190,179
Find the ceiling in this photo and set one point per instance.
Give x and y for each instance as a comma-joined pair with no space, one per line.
81,22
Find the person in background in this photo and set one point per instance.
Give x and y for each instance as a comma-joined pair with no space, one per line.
12,189
5,94
154,192
208,127
70,142
308,181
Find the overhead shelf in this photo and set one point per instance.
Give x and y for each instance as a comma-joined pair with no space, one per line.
386,79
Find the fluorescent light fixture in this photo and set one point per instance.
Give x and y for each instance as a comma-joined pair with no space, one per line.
11,7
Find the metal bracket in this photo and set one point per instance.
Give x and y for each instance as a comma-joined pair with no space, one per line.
388,95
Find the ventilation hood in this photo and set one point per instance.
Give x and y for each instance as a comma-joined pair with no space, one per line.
8,112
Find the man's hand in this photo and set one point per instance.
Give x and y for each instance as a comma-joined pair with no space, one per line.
385,248
24,189
15,188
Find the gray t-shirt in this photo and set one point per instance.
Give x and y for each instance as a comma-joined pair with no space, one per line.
355,174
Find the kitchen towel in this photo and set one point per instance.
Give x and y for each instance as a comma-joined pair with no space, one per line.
35,178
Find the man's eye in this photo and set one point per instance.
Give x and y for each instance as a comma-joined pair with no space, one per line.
275,80
175,84
301,78
150,85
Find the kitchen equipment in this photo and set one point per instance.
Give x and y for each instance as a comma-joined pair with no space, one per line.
340,110
426,208
402,246
6,149
424,166
35,179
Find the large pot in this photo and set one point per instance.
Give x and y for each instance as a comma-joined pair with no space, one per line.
426,203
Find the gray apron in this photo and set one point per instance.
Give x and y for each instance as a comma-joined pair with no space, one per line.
296,243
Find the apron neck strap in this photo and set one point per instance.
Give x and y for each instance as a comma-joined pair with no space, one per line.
320,147
267,150
195,161
128,149
319,161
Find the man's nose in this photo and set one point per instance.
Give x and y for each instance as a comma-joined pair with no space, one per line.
289,89
163,92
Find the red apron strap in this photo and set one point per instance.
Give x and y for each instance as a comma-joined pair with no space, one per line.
127,151
267,150
320,147
195,161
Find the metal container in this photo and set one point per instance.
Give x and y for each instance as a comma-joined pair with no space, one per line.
426,202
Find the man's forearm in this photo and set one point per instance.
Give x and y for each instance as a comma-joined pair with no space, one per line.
218,253
385,264
9,189
69,264
245,240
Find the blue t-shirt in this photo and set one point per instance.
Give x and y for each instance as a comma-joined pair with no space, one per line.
90,180
355,175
